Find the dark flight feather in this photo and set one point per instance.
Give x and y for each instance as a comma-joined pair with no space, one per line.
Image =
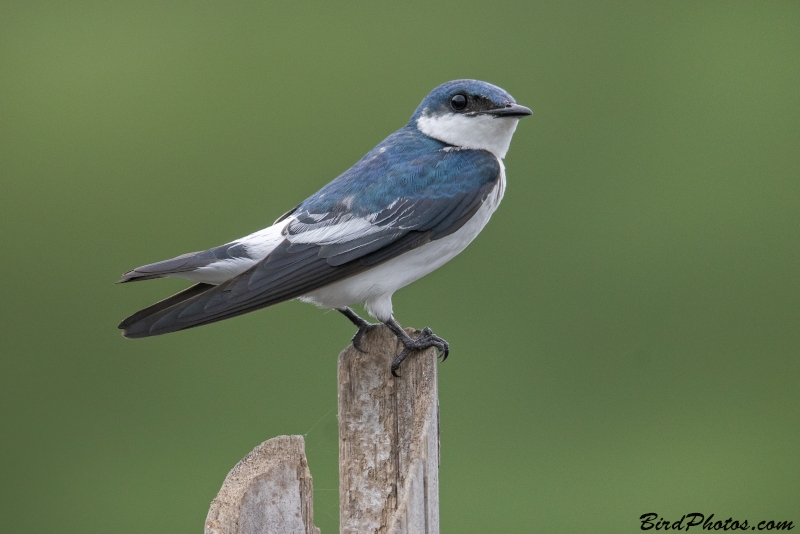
177,298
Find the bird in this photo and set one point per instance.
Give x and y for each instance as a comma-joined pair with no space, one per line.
406,208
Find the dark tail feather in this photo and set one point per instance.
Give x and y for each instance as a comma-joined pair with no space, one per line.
177,298
181,264
132,276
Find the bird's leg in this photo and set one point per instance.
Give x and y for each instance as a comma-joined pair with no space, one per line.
362,325
425,340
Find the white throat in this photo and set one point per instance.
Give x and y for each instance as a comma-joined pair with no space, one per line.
482,132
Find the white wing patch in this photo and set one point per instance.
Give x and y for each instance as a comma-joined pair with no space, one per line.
348,228
219,271
329,233
260,244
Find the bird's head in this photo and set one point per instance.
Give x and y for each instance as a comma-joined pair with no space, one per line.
470,114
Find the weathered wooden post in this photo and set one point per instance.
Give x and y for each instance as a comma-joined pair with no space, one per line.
268,491
388,455
388,439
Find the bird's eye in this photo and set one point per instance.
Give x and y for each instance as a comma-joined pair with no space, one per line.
458,102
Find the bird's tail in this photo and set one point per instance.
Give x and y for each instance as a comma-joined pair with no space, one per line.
172,267
142,316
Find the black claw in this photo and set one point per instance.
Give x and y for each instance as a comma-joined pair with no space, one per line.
398,360
358,335
441,345
426,339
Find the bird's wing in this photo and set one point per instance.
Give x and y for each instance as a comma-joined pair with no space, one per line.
336,235
186,294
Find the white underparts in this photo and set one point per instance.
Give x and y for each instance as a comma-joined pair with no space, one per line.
375,287
480,132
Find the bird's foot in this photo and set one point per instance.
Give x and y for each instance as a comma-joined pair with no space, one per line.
363,326
425,340
363,329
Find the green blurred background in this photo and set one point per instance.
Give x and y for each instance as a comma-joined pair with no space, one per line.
624,332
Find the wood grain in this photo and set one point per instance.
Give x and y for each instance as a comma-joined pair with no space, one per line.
388,439
268,491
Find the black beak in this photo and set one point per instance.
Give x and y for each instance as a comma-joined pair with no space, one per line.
509,110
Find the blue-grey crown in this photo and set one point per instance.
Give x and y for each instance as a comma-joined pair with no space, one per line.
438,101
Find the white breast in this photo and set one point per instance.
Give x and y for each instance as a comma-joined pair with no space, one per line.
375,287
